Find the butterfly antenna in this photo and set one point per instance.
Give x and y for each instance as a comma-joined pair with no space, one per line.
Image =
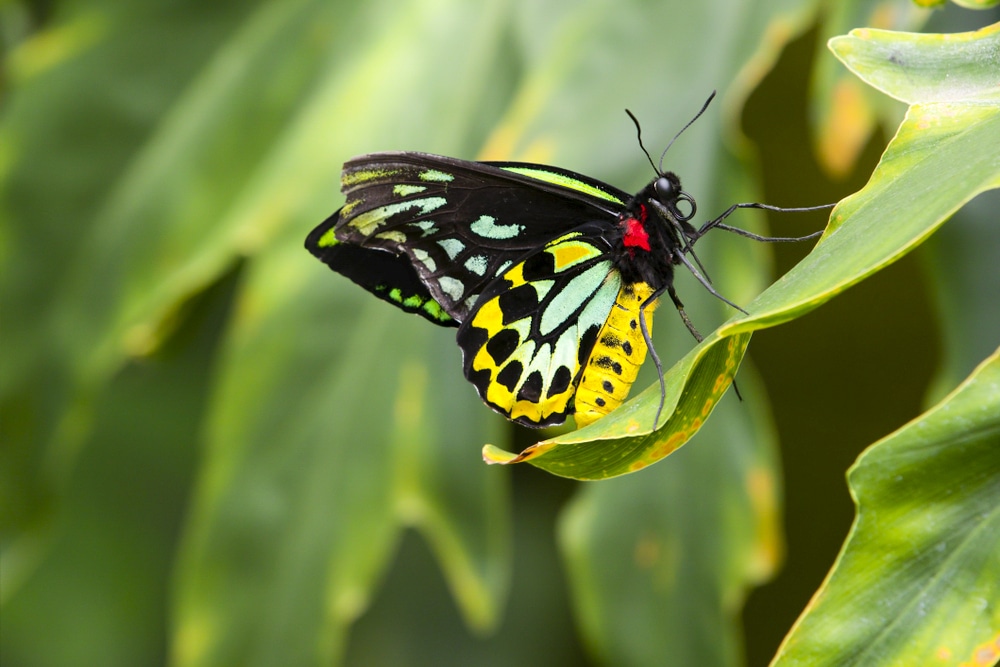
689,123
638,135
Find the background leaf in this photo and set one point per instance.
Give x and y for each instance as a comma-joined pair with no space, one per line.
918,575
214,448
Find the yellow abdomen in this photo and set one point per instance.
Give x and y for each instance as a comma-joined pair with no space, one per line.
616,358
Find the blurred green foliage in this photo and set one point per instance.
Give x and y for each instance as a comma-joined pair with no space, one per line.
213,450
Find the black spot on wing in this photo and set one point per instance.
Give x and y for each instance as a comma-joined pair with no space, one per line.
471,340
560,381
518,303
502,345
587,341
541,265
531,390
510,375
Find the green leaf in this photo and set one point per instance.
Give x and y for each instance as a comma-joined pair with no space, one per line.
844,110
659,568
962,259
113,536
348,449
171,142
942,156
920,69
311,470
309,480
918,578
976,4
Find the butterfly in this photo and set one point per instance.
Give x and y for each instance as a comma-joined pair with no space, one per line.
551,277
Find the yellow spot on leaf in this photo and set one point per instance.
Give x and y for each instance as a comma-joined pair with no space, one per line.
409,407
671,445
194,636
986,654
48,48
706,409
494,455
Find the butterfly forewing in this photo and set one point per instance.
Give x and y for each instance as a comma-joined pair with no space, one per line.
386,275
461,224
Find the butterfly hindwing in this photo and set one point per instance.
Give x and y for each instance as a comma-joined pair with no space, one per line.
458,224
532,332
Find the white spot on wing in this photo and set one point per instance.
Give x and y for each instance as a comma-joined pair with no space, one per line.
426,226
452,247
486,226
425,259
367,222
477,264
452,287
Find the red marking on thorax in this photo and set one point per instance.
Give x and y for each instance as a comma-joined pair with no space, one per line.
636,235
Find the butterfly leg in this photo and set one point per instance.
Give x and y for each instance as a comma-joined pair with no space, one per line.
669,289
717,222
706,284
649,343
684,316
694,332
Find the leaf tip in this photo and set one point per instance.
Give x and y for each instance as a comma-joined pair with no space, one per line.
493,455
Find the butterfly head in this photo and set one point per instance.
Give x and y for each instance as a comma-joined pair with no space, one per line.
668,192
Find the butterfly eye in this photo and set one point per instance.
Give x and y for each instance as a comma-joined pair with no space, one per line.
665,189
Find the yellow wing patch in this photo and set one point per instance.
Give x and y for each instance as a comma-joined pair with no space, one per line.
568,254
523,368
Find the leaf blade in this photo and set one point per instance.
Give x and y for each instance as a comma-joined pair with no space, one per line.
918,575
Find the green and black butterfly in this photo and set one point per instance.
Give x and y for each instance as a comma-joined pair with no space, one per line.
551,277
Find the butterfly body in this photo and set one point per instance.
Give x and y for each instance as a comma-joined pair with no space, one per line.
550,276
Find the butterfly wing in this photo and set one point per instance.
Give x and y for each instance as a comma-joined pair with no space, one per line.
429,233
532,331
388,276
